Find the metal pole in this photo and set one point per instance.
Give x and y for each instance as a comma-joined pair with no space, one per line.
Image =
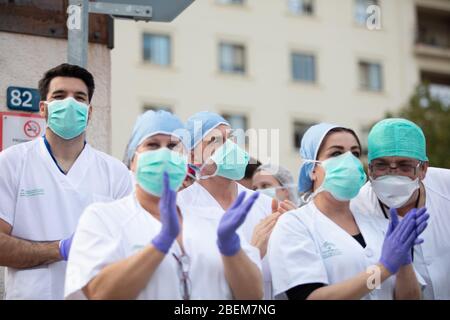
78,30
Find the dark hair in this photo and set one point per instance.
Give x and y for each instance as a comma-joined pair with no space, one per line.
250,170
66,70
338,129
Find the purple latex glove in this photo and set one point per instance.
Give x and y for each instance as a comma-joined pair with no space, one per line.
421,223
227,239
169,218
398,242
64,247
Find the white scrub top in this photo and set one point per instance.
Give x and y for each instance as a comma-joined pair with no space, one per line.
197,200
431,258
43,204
307,247
110,232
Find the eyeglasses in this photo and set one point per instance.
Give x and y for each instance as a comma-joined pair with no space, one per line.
383,168
184,264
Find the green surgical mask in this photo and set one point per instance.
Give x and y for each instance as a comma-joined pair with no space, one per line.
151,166
67,118
231,161
344,176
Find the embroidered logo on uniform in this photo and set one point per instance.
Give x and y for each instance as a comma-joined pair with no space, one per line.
31,192
329,249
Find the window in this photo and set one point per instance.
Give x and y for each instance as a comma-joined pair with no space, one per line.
370,76
439,86
299,131
361,10
238,122
157,49
232,58
234,2
156,108
303,67
301,7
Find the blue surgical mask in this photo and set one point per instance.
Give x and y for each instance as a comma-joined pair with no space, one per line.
230,160
344,176
67,118
151,166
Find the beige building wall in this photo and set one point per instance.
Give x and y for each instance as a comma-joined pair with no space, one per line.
25,58
266,93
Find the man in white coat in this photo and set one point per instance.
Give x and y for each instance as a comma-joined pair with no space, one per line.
46,184
400,177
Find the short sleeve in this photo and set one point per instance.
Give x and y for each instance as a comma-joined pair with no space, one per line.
125,185
96,244
293,256
9,184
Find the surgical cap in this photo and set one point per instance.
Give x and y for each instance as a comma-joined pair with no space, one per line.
152,123
396,138
202,123
310,145
284,177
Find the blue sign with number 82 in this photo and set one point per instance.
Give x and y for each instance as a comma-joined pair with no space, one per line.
23,99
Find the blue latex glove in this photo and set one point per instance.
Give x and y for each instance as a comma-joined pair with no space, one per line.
64,247
421,223
169,218
228,240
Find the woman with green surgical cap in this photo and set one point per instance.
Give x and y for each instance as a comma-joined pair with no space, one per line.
219,163
401,181
325,250
146,247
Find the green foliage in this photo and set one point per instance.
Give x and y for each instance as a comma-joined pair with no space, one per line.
434,118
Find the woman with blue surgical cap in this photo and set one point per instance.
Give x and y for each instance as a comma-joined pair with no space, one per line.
219,163
401,179
146,247
324,250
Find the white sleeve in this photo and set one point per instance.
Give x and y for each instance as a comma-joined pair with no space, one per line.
125,185
250,251
95,245
9,182
293,256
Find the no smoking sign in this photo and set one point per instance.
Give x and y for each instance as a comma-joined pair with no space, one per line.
16,128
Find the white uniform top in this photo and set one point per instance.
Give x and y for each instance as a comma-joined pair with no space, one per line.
307,247
43,204
197,200
431,258
110,232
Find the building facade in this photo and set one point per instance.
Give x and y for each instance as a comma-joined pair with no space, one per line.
281,65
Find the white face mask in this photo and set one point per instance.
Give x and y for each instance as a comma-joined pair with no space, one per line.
394,191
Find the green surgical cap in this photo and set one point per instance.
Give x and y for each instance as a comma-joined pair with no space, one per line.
397,138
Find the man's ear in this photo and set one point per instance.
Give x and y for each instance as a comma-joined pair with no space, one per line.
43,111
89,113
423,170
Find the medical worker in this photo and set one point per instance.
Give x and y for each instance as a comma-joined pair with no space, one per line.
400,177
324,250
45,185
276,182
145,247
219,163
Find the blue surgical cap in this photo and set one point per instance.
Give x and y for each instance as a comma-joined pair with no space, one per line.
152,123
310,145
202,123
